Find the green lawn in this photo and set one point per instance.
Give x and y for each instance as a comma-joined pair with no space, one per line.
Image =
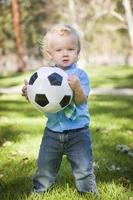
13,79
21,128
117,77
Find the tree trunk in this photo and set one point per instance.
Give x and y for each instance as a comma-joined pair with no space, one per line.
73,13
18,36
129,19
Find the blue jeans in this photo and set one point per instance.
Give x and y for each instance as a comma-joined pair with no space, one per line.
76,145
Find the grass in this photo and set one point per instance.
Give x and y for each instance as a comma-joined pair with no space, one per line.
117,77
21,129
13,79
114,77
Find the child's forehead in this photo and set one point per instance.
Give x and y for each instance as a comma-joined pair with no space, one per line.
61,36
60,40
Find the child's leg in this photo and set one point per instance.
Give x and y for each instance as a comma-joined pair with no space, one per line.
48,163
79,154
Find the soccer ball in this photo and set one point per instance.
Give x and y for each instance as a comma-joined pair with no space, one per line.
48,89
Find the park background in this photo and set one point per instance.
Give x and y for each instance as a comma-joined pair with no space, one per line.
106,31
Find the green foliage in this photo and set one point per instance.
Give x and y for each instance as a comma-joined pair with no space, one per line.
33,14
33,23
6,29
96,26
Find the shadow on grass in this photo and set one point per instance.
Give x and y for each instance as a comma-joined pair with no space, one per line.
16,189
117,106
19,182
19,107
126,82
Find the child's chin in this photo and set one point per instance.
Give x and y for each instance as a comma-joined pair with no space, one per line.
66,64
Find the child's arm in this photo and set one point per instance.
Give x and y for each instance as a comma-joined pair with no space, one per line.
79,96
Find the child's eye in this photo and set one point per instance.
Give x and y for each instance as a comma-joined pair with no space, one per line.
58,50
71,49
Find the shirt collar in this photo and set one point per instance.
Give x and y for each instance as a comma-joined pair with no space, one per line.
73,66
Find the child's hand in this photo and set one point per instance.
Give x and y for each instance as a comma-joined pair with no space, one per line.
24,89
75,85
74,82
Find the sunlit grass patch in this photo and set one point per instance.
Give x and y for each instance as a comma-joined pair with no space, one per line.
13,79
114,77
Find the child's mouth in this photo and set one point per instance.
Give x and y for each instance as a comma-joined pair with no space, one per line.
65,61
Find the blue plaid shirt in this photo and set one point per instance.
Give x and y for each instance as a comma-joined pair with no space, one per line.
58,121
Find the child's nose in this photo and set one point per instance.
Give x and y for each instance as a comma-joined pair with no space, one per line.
65,53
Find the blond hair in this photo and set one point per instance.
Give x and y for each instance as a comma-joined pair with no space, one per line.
60,29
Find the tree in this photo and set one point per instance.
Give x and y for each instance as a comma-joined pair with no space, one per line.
97,21
18,36
129,19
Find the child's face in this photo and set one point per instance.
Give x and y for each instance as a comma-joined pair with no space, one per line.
63,50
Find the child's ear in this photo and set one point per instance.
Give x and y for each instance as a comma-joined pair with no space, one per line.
49,54
78,51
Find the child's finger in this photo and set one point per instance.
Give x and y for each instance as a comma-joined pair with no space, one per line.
25,82
24,89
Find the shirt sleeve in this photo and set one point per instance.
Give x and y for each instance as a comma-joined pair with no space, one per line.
85,83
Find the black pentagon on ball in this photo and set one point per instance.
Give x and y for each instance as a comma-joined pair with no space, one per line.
65,101
55,79
41,100
33,78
